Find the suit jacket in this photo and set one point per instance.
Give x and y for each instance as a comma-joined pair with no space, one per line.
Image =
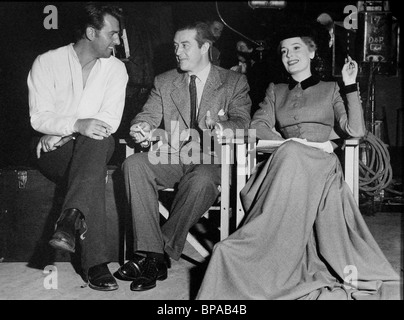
168,105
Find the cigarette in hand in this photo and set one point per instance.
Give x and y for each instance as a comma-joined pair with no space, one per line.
141,131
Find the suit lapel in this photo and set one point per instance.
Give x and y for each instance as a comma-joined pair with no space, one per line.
181,98
209,93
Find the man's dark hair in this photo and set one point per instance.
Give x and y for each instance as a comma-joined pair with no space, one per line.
203,33
92,15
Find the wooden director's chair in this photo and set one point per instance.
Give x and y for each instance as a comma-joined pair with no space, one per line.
238,158
246,164
231,150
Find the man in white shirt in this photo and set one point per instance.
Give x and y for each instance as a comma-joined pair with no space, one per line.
222,104
76,100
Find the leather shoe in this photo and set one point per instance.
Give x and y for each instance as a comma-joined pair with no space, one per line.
151,271
100,278
132,269
64,237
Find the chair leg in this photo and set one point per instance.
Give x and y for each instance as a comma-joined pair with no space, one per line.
190,238
352,166
225,194
197,246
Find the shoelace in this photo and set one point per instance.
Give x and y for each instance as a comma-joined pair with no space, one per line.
150,269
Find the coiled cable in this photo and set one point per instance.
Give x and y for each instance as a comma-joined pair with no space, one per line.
375,171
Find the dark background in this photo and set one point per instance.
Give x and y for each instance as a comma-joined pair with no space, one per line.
150,27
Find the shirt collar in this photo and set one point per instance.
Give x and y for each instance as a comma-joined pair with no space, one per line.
203,74
306,83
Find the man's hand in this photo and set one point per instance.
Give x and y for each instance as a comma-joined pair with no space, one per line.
93,128
47,143
141,133
222,134
210,123
217,129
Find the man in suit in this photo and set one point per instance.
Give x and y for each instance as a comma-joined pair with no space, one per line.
223,105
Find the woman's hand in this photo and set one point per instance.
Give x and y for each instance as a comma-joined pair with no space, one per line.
349,71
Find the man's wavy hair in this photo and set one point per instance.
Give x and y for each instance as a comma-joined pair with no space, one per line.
92,15
203,33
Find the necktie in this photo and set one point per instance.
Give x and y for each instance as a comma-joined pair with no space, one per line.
192,92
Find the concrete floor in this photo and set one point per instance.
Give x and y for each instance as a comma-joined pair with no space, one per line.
17,281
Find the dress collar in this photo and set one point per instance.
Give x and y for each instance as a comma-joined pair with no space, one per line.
306,83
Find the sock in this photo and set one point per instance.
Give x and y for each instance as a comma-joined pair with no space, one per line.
158,256
99,268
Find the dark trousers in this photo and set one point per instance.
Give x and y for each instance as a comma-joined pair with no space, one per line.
196,191
82,165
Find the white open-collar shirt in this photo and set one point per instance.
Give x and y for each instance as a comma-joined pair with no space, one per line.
57,98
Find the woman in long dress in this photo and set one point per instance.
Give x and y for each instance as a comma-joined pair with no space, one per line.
304,236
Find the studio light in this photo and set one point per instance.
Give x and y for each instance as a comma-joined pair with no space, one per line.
267,4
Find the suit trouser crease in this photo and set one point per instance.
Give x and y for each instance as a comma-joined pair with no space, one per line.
196,192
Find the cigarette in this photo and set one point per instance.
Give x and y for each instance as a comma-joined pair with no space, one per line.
142,132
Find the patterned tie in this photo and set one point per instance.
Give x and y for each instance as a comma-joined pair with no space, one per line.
192,92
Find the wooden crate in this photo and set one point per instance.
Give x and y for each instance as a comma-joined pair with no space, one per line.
30,204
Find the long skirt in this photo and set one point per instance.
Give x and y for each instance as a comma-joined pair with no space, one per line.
303,238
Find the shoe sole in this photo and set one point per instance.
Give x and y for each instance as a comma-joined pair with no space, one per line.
61,245
124,277
103,288
160,278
